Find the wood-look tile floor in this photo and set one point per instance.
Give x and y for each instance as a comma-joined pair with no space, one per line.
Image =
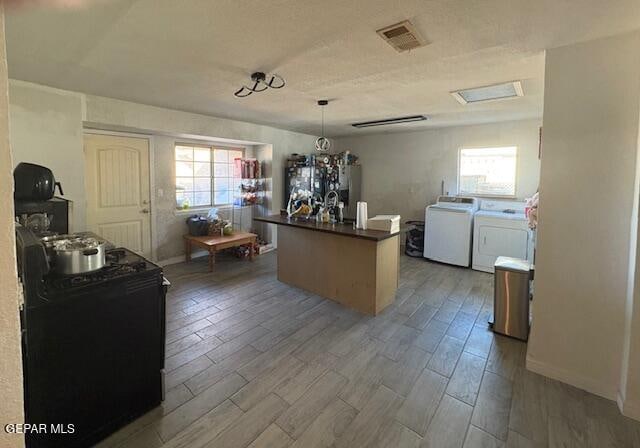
252,362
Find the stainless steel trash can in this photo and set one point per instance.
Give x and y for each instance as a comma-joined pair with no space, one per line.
511,297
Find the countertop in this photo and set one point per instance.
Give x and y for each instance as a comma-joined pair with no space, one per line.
345,229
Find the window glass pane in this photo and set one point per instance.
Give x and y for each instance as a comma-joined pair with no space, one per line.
202,183
195,175
202,154
202,169
235,154
221,170
222,197
184,183
202,198
222,183
182,197
184,168
488,171
220,155
184,153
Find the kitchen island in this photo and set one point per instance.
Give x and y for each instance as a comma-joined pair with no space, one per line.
354,267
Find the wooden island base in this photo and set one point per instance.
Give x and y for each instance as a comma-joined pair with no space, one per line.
359,273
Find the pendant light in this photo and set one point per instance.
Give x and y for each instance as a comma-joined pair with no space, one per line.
322,143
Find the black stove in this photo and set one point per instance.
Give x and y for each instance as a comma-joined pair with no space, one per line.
93,344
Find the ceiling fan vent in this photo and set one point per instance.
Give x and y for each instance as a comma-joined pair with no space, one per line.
402,36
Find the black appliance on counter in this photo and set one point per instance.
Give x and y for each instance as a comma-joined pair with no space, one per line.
57,210
34,183
34,189
93,344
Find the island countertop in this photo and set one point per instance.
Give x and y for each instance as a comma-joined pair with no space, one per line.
345,229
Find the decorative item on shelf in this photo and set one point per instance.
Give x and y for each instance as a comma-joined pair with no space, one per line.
300,203
531,211
247,168
216,224
322,143
346,158
250,192
261,82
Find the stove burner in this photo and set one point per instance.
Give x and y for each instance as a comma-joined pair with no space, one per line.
115,255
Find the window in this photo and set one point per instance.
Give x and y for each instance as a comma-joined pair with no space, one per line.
488,171
205,176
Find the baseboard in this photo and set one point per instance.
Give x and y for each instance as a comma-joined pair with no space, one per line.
180,258
572,379
628,408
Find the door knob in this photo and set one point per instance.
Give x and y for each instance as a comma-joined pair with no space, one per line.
144,210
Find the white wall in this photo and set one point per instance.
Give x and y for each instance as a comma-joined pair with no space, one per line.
10,346
48,126
46,129
590,144
629,392
402,172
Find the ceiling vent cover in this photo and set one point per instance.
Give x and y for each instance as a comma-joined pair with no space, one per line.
402,36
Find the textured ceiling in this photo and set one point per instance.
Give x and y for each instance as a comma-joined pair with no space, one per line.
193,54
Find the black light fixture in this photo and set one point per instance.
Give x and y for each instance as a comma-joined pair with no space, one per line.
260,84
322,143
409,119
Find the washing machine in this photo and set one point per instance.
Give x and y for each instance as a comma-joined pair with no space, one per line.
500,229
448,230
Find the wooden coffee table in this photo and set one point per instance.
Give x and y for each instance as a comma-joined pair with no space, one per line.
212,244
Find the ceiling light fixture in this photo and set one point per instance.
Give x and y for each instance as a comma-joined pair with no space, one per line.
409,119
502,91
260,84
322,143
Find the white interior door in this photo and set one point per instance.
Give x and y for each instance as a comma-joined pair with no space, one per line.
117,182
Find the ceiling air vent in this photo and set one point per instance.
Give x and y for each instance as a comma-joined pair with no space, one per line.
503,91
402,36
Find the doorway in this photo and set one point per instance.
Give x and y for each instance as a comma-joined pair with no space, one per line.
118,190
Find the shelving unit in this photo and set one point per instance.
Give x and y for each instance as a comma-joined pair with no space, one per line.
248,193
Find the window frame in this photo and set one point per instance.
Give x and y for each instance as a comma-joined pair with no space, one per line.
481,195
211,146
